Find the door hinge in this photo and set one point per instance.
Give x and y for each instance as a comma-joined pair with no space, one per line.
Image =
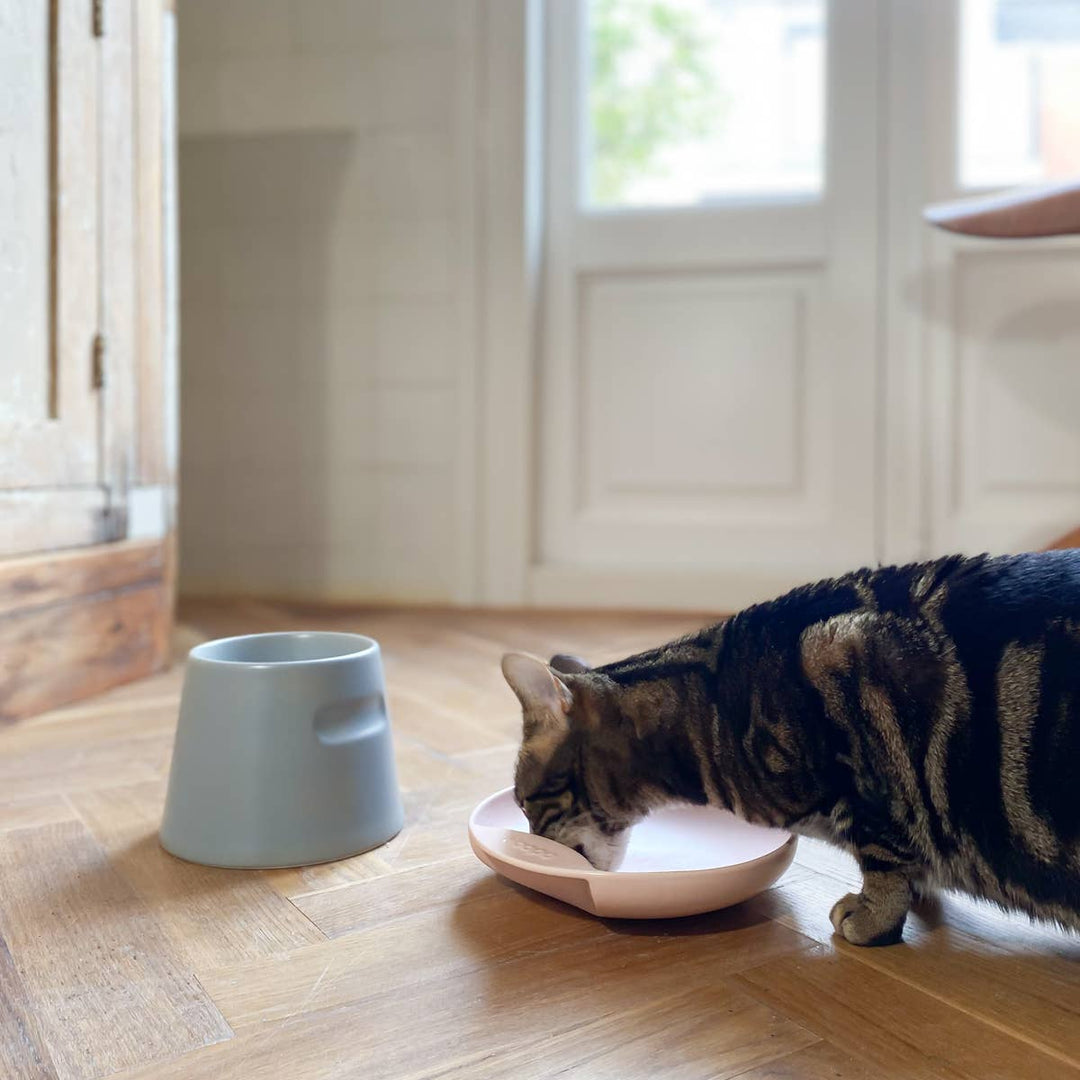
97,8
97,362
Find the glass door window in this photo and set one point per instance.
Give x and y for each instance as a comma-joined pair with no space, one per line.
692,102
1019,91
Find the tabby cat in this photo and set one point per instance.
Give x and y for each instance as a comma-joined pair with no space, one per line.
925,718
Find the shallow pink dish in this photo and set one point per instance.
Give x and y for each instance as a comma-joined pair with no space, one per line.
680,861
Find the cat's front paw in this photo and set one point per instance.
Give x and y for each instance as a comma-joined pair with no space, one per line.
856,920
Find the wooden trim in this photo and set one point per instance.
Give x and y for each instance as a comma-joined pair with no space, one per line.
170,247
905,467
77,623
54,209
118,272
149,237
467,120
39,581
509,245
172,562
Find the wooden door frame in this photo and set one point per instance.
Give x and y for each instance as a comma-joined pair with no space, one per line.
510,221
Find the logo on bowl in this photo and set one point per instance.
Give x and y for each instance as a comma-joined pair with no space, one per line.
523,846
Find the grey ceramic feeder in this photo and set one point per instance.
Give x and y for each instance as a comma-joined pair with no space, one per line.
283,755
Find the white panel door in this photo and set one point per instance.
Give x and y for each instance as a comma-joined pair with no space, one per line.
1000,321
708,372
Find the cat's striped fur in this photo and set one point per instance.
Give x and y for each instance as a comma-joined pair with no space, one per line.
925,718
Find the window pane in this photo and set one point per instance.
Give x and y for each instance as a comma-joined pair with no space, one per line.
692,101
1020,91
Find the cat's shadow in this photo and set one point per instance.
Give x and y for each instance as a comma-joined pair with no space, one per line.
738,917
531,949
975,933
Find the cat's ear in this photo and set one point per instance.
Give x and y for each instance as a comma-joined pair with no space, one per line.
538,688
567,664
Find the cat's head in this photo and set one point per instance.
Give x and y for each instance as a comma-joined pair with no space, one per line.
573,759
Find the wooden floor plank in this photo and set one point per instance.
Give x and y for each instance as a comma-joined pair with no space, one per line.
710,1033
431,841
34,810
212,916
432,720
23,1053
95,750
472,928
378,900
418,768
819,1062
1020,978
449,1016
469,778
466,930
157,697
105,987
895,1026
295,881
121,958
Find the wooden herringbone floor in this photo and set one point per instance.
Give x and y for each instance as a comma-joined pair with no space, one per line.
414,961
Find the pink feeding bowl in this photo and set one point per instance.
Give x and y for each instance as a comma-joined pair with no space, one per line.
680,861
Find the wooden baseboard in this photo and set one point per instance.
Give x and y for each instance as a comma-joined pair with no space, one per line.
75,623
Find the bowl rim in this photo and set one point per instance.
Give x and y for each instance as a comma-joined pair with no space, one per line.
362,646
590,873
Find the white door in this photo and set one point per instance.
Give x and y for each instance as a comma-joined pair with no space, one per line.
989,331
708,370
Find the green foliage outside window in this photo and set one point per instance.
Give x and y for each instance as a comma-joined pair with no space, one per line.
651,88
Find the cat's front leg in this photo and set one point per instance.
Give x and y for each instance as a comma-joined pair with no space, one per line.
876,915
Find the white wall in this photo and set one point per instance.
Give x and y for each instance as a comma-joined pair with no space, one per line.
326,296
